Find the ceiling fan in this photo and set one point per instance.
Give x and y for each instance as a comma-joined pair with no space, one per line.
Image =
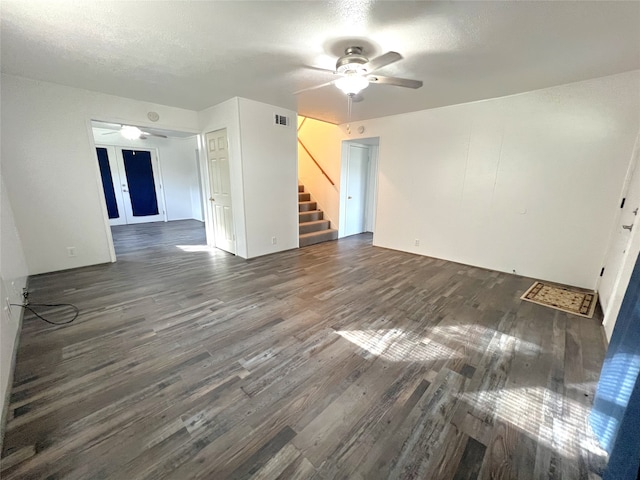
131,132
356,72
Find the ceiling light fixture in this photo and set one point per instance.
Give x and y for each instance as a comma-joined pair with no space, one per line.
352,83
130,133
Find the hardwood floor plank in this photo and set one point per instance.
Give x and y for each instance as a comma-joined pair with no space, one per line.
277,464
298,470
428,429
269,451
471,461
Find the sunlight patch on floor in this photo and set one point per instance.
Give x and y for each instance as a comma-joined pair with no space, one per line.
398,346
195,248
472,335
557,422
401,346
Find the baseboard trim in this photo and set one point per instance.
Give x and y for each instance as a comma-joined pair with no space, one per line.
7,396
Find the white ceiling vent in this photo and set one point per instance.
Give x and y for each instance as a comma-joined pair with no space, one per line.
281,120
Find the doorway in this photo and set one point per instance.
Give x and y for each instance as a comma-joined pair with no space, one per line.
151,186
131,184
359,177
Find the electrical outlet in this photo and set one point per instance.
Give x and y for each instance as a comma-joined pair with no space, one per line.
416,243
71,251
274,240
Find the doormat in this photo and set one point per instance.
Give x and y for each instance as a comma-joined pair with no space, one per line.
560,298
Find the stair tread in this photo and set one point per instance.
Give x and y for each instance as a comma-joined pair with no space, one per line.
319,232
310,211
307,201
313,222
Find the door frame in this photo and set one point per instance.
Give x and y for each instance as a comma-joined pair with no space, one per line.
371,198
98,177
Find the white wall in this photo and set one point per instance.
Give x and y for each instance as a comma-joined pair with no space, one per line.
50,170
323,140
178,169
180,177
269,163
527,183
13,278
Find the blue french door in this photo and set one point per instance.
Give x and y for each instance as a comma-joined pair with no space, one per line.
141,185
107,183
131,185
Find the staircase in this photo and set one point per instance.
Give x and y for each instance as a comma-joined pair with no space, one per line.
312,226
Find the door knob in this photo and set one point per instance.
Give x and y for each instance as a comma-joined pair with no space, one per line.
628,227
212,199
349,197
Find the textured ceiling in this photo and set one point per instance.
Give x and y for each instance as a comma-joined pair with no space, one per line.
200,53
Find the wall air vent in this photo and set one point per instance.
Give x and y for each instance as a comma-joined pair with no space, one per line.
281,120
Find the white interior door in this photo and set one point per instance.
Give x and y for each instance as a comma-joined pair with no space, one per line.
111,184
140,185
622,235
356,191
220,190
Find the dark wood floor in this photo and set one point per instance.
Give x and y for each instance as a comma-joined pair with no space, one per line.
339,360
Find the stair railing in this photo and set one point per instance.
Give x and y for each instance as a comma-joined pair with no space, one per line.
310,155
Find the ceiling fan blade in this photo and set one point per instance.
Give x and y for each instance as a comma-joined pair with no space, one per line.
313,88
382,61
320,69
149,134
399,82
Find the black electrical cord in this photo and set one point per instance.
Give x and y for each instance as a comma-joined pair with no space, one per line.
27,306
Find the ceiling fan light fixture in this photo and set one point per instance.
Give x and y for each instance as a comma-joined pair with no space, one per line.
130,132
351,68
352,84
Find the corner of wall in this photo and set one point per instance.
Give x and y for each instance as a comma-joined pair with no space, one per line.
13,279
